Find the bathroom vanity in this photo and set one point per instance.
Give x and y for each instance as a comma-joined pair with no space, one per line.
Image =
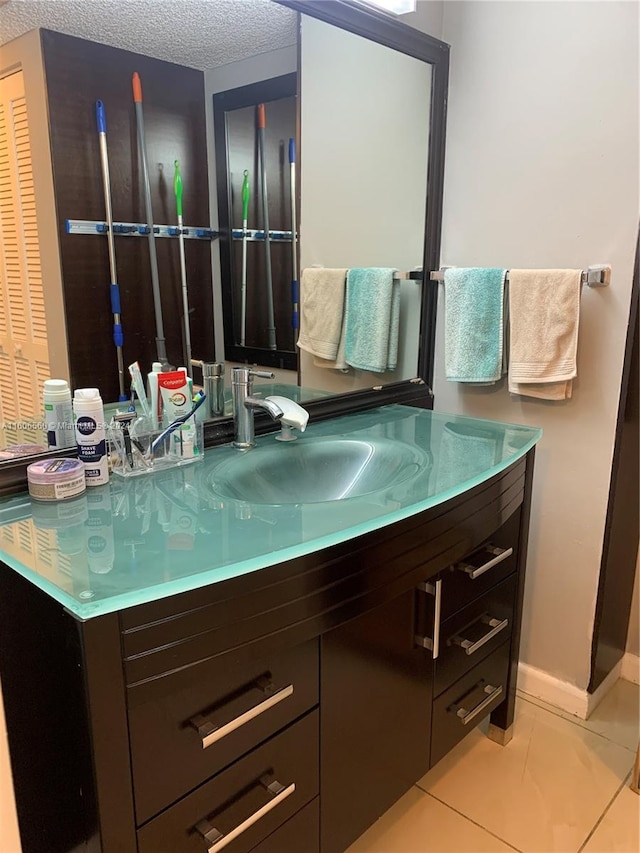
265,671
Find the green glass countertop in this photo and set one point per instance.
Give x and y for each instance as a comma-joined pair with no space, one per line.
145,538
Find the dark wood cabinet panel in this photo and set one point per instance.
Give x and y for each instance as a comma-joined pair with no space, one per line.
459,709
79,72
467,579
235,796
376,703
168,730
482,625
300,834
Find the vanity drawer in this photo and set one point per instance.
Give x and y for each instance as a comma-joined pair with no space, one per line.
248,801
457,711
473,633
476,573
190,728
300,833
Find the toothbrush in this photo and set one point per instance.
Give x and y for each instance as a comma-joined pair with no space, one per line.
198,400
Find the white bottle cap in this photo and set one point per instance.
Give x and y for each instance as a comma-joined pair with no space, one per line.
86,399
156,367
57,389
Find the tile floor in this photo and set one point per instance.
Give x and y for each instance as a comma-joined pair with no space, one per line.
560,786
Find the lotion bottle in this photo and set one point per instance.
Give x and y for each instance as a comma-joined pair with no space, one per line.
91,438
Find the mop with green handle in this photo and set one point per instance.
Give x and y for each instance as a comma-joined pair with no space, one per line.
177,188
243,283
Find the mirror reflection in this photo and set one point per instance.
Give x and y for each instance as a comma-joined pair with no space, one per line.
361,174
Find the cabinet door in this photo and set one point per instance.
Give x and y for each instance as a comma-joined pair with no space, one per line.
376,693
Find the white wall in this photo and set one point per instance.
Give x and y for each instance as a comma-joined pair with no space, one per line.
428,17
542,171
364,144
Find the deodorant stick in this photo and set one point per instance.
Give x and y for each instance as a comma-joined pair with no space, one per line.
57,413
91,438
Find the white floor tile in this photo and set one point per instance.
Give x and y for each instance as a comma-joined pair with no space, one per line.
544,791
619,830
419,824
617,717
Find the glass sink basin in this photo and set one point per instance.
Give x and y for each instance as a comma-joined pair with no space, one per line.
315,470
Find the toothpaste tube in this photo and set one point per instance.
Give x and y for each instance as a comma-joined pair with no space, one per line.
174,388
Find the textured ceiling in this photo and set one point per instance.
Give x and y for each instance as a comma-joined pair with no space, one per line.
198,33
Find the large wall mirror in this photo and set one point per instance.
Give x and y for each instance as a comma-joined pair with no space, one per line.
371,103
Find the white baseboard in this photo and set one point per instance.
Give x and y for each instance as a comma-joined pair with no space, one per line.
536,682
630,668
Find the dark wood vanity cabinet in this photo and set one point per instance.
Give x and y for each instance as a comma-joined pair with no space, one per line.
376,688
281,711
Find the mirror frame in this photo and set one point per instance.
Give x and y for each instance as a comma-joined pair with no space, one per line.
363,20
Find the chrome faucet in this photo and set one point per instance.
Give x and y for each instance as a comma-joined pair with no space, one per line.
244,405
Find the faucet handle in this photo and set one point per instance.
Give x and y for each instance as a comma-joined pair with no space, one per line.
242,375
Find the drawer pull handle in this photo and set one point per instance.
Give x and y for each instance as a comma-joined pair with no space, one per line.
218,840
434,589
499,554
470,647
466,716
210,733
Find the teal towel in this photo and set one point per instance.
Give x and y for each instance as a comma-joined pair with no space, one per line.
372,318
473,324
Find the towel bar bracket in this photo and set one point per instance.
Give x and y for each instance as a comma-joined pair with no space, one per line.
412,275
597,275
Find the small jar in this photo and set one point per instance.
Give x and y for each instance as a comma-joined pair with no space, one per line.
56,479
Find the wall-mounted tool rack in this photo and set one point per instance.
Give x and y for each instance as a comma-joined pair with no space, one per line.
138,229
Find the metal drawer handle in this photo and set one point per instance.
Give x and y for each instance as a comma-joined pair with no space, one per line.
218,840
210,733
470,647
426,642
466,716
499,554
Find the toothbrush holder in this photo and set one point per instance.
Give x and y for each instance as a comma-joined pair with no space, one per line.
130,447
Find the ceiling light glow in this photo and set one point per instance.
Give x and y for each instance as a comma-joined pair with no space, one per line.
396,7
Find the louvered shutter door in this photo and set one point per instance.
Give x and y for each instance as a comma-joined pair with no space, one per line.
24,351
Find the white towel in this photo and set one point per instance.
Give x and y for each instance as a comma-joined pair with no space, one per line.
544,310
321,311
339,362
